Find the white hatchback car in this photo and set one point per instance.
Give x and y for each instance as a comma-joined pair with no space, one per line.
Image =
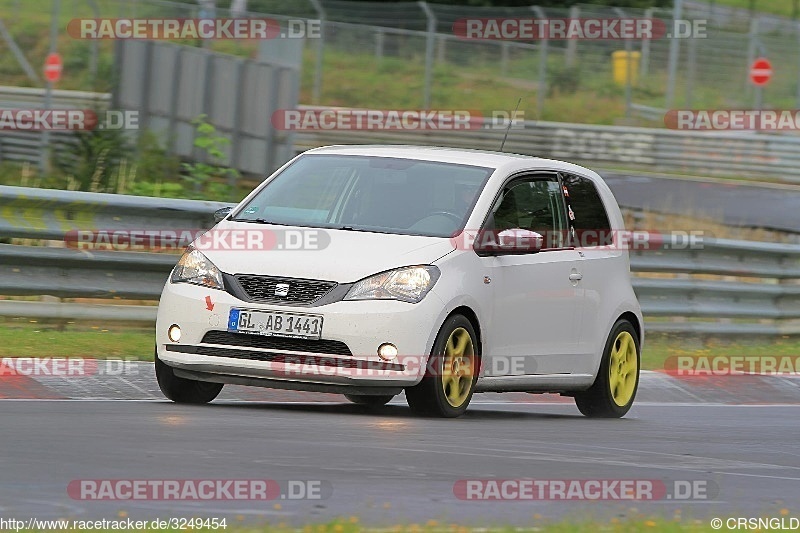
369,270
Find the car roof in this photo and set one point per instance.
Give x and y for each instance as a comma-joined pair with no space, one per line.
485,158
504,164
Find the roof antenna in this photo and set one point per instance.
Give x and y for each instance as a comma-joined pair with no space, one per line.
510,122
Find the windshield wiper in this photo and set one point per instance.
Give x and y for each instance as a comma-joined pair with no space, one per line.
258,221
364,230
353,228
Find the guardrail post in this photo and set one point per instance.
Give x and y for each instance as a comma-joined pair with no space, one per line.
144,88
272,106
628,67
441,48
45,151
691,68
572,44
238,113
542,90
429,38
316,91
752,45
95,44
379,37
674,56
797,97
172,126
644,66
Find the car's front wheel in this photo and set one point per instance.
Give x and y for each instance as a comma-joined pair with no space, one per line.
451,373
182,390
614,388
370,401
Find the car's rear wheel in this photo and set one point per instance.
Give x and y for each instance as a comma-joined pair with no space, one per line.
182,390
371,401
451,373
614,388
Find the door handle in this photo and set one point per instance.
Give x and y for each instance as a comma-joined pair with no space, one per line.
575,276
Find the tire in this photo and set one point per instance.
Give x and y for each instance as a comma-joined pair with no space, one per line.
452,370
182,390
614,388
370,401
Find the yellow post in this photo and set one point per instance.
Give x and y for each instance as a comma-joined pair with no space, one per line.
619,61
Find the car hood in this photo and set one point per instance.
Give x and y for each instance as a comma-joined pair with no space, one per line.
343,256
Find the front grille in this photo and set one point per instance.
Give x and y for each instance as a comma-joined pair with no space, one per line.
301,291
245,340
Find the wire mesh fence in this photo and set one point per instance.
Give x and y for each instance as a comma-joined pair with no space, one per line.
411,50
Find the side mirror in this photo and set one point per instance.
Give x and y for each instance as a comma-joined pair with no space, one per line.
220,214
508,242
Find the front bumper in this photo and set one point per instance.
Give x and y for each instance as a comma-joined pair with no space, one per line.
361,325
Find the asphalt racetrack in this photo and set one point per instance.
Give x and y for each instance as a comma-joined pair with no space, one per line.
734,439
730,202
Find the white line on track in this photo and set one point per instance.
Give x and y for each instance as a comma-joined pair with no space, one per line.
518,404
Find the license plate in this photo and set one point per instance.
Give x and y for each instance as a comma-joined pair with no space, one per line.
274,323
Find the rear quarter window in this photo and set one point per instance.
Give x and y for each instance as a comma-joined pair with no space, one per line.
590,223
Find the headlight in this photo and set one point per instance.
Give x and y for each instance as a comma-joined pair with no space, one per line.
194,267
407,284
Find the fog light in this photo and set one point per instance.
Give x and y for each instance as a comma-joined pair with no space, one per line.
387,351
174,333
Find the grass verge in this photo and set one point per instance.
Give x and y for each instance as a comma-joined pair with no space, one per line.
35,339
40,339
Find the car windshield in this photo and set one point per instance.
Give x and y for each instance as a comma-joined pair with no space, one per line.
360,193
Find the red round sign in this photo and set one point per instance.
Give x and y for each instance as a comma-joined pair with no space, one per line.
761,71
53,67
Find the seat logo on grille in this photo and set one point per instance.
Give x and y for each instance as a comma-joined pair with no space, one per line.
281,289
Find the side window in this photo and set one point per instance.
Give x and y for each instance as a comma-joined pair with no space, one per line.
533,204
589,218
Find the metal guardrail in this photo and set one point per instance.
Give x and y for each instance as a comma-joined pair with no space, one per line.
49,214
67,273
24,146
33,97
749,154
756,290
689,152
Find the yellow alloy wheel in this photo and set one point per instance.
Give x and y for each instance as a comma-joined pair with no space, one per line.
458,366
622,369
